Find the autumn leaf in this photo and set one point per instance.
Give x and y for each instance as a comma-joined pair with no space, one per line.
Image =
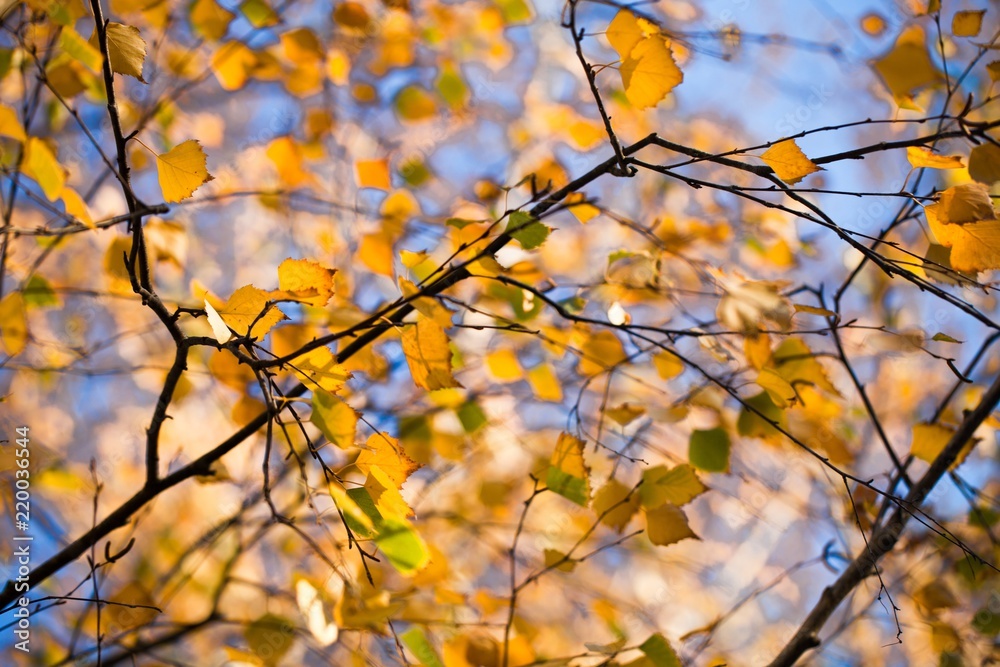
40,164
428,355
984,163
615,504
126,49
929,440
306,281
789,162
386,452
182,170
667,525
650,72
504,366
13,324
626,30
373,174
568,474
908,67
924,157
249,305
964,221
10,126
335,419
319,370
967,23
210,19
747,304
678,486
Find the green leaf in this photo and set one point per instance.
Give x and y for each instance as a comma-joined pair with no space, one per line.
709,450
472,416
38,292
416,640
942,337
752,425
527,230
987,620
659,650
402,546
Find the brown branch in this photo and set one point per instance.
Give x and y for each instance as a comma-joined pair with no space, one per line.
885,538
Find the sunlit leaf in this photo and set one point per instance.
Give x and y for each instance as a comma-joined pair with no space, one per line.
650,72
126,49
249,305
919,156
386,452
678,486
335,419
967,23
615,504
789,162
428,355
182,170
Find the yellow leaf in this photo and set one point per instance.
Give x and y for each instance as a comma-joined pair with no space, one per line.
427,306
580,209
924,157
626,413
600,352
310,279
373,173
126,49
232,64
795,362
302,46
41,165
210,20
182,170
545,384
318,369
504,366
930,439
568,475
969,202
668,366
667,525
9,125
908,66
615,504
13,323
557,560
964,220
650,73
375,252
993,69
286,155
967,23
338,67
626,30
428,354
334,418
385,494
984,163
76,207
385,452
781,392
85,53
757,350
249,305
789,162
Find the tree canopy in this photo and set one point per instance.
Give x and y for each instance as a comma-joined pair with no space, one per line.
499,333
